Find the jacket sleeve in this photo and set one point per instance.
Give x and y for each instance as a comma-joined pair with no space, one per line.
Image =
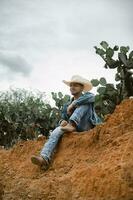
64,115
84,99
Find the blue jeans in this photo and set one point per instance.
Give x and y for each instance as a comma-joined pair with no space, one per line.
80,117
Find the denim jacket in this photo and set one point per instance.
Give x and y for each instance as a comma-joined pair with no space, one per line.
86,98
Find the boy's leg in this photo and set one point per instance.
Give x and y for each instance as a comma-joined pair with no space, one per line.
80,118
51,144
48,148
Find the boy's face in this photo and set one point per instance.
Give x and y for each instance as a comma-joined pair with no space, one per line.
76,88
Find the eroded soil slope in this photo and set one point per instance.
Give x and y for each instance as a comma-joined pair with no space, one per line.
93,165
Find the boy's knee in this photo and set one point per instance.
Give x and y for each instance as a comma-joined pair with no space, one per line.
79,112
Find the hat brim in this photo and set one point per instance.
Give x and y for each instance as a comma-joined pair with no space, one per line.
87,84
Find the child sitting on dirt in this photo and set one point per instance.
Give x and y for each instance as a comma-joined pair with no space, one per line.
77,115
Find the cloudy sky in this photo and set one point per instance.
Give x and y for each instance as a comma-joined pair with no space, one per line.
43,42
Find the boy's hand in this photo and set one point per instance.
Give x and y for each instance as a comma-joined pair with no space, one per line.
63,123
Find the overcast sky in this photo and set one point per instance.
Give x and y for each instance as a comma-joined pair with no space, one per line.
43,42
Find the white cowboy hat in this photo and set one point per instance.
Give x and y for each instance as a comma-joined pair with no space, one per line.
78,79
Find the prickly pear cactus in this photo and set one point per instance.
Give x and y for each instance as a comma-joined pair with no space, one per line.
106,98
121,59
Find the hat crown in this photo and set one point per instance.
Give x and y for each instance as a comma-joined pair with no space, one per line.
76,78
79,79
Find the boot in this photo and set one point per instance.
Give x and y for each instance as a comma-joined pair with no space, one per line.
40,161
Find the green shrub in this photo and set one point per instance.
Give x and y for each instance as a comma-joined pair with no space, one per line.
26,114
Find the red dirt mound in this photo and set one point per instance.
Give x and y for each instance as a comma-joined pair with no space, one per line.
93,165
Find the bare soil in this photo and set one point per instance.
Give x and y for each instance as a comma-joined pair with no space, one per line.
92,165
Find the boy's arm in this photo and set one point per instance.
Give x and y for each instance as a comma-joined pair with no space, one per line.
85,99
82,100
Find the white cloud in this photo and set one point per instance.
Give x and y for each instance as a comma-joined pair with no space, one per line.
13,63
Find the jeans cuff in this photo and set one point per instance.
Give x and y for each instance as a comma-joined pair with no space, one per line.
45,158
73,120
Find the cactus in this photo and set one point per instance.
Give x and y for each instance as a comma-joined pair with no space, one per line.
106,98
123,64
59,99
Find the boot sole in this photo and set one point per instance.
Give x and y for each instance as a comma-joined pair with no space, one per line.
35,161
